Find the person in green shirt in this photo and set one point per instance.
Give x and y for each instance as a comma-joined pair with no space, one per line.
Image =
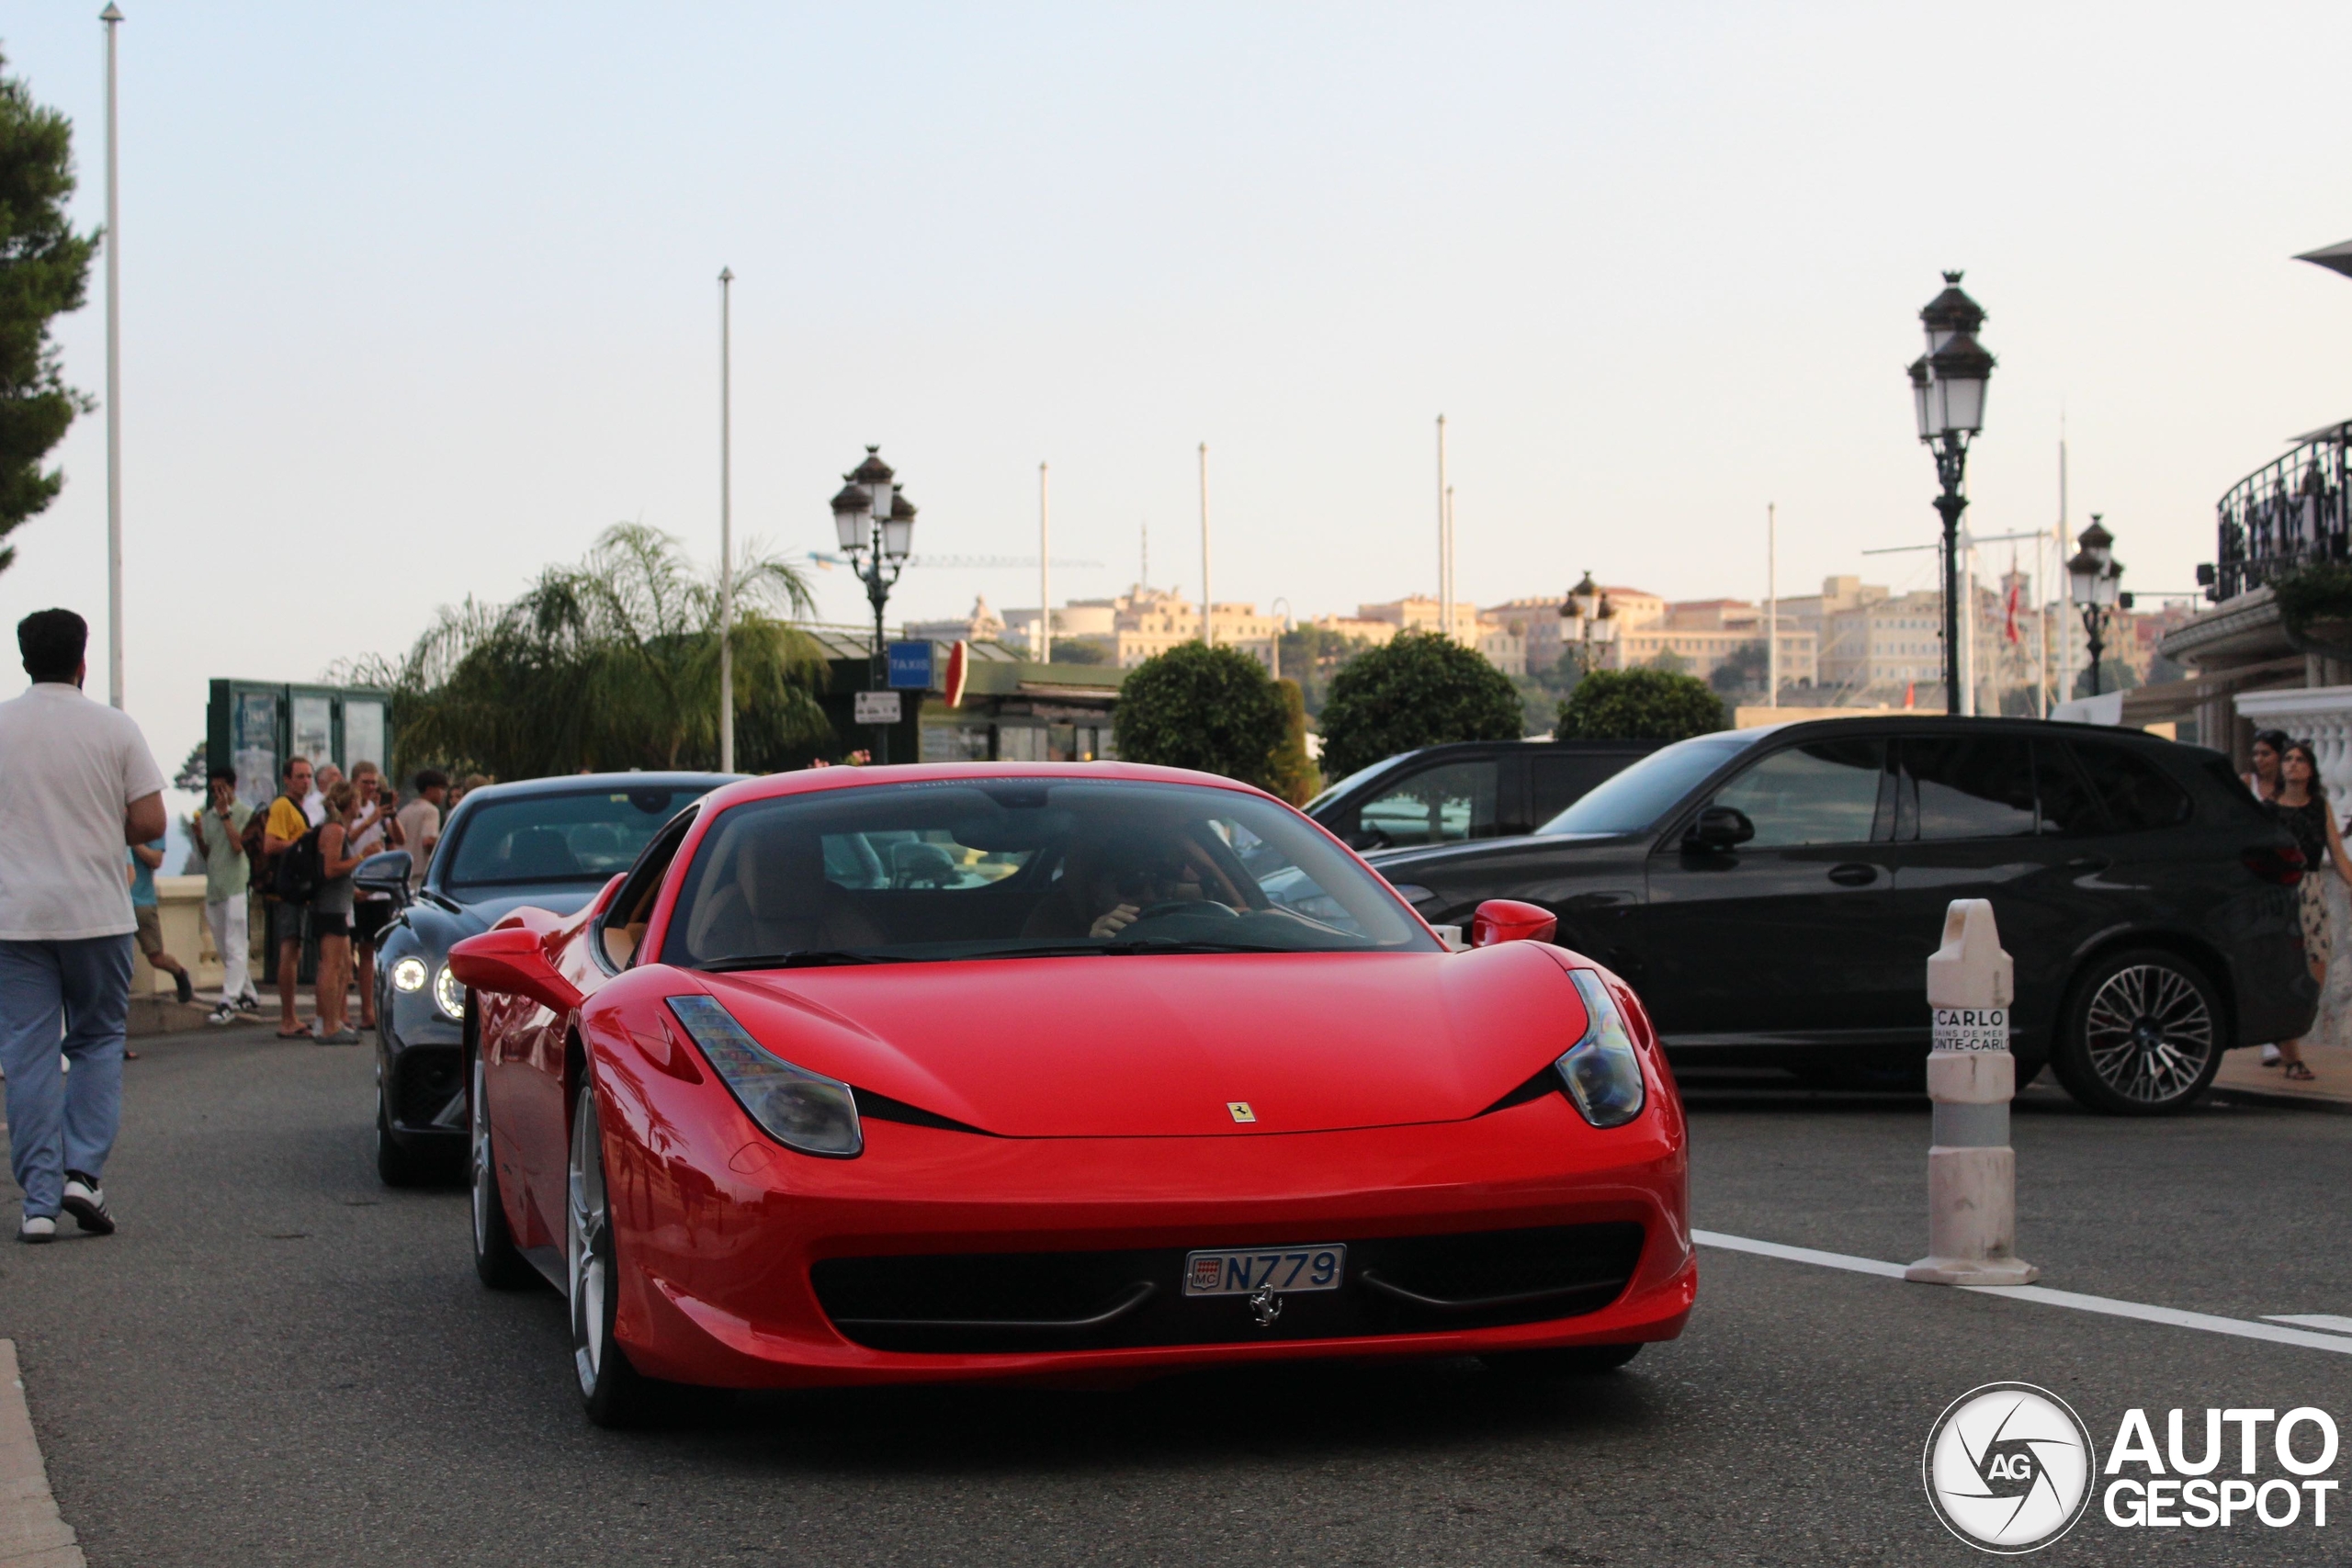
219,833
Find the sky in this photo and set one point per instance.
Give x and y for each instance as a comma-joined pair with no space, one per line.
418,299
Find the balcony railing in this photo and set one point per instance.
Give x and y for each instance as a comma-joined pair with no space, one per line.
2284,515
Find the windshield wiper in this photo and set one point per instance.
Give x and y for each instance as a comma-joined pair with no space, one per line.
1124,949
808,958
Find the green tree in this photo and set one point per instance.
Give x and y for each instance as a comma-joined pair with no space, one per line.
1640,704
1312,656
1197,706
1420,690
1746,667
1295,779
44,269
1670,661
1079,650
610,665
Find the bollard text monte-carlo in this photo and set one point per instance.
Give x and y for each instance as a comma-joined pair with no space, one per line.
1773,893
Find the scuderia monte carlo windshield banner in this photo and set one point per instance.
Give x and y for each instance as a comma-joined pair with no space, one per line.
2010,1467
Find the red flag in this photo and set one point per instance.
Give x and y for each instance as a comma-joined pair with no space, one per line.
2010,630
958,658
1910,693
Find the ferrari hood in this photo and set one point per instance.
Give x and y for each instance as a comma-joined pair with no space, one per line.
1175,1045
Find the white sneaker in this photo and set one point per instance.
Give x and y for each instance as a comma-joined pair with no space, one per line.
2271,1055
86,1201
220,1015
36,1228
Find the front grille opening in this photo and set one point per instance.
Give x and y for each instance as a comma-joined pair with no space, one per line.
977,1302
427,1080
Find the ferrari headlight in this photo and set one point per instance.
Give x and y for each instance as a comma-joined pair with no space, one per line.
1602,1071
408,975
449,995
802,1110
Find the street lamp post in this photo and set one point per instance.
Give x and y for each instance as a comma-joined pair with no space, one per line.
875,523
726,522
2094,576
112,17
1282,624
1948,395
1591,619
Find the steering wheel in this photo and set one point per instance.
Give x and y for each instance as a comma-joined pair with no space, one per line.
1185,907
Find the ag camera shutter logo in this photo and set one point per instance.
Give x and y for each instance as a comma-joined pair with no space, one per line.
2009,1468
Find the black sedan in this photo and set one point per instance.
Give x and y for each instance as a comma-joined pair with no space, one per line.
548,842
1774,894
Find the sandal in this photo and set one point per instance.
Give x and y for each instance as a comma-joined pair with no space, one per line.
2299,1072
297,1034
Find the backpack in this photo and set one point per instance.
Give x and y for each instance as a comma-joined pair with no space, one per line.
300,870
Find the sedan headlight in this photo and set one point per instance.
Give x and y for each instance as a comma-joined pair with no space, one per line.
449,995
1603,1072
801,1110
409,974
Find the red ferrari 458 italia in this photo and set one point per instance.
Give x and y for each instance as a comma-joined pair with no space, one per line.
1001,1071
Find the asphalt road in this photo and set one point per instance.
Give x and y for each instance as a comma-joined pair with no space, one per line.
278,1362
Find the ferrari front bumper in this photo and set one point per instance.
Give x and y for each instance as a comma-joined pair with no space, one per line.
716,1266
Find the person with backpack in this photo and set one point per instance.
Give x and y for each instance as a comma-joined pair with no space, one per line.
285,829
339,855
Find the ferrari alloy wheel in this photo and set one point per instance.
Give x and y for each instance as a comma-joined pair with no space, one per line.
1568,1362
496,1260
2142,1034
612,1392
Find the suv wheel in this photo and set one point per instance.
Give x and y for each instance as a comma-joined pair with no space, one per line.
2141,1034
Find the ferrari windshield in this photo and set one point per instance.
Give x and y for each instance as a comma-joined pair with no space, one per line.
996,868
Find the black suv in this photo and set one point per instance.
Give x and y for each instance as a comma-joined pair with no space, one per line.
1774,895
1472,789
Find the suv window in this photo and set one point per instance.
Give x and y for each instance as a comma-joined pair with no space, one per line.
1437,806
1968,786
2067,803
1826,792
2135,791
1556,781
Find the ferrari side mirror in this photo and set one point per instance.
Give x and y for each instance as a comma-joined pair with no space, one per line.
1507,919
513,961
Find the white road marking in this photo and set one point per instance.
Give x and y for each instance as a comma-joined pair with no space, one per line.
2106,1306
2311,1320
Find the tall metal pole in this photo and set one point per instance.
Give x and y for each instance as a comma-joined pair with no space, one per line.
1448,612
726,525
112,17
1444,588
1951,460
2065,636
1968,624
1208,623
1771,604
1044,572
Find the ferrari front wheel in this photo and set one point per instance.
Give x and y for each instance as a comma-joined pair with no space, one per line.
612,1392
499,1263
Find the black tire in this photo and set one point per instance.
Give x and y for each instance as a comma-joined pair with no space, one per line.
2142,1034
1570,1361
396,1164
611,1392
499,1263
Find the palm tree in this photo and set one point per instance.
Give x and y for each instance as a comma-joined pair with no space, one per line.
613,663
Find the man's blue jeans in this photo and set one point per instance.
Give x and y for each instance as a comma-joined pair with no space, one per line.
59,1121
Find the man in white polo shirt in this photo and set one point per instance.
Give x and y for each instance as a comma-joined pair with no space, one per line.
77,784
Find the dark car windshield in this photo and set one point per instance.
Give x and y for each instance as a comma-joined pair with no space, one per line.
1651,788
993,868
585,837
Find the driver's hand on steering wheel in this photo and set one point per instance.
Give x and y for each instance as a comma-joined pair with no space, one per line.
1112,924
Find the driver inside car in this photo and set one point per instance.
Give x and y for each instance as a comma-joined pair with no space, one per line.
1107,888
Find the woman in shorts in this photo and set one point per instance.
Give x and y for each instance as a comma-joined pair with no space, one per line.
331,915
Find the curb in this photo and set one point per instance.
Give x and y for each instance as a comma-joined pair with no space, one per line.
2276,1100
31,1533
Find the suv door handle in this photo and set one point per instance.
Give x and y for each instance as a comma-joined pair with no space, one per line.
1853,875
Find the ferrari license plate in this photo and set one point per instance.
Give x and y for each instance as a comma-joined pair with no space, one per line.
1244,1272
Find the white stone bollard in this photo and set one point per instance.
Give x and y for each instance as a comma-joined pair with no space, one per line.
1972,1077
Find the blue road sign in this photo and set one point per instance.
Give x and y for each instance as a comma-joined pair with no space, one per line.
911,666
